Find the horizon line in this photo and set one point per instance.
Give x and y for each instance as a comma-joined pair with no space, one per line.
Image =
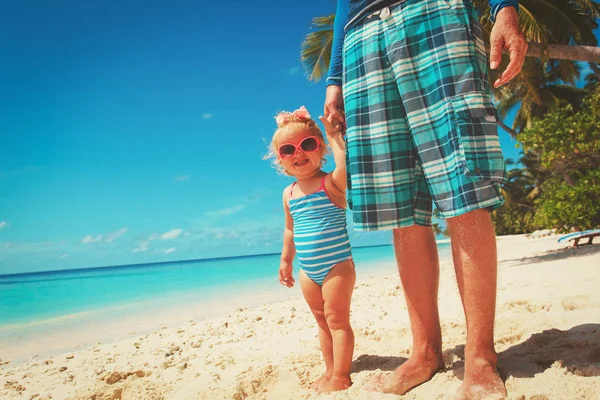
156,263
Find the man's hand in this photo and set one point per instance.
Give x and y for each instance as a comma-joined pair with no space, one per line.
334,105
285,274
507,34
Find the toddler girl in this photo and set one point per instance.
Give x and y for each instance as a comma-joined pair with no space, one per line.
315,231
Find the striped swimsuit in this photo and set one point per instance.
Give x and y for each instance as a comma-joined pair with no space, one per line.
320,234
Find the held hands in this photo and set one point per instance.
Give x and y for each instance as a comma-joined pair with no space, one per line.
285,275
334,106
333,127
507,34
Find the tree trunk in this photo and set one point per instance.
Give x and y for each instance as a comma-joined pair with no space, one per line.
568,179
507,128
565,52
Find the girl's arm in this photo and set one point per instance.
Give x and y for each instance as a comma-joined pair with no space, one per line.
289,250
333,131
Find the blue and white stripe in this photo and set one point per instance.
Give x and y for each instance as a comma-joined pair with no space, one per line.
320,234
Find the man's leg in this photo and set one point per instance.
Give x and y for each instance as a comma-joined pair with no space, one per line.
475,262
452,122
417,257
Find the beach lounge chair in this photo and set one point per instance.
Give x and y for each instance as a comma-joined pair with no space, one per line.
577,236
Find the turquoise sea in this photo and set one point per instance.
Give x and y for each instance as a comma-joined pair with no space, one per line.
51,302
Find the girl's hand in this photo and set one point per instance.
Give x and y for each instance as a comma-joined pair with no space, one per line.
332,126
285,275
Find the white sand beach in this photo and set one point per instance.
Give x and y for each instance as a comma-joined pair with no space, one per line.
547,336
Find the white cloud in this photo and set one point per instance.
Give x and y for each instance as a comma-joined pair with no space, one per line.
110,237
3,224
169,235
226,211
207,116
227,235
170,250
182,178
91,239
142,247
64,255
172,234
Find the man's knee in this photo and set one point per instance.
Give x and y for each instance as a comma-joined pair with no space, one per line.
470,218
411,232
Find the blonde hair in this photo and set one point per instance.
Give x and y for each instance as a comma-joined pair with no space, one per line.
286,122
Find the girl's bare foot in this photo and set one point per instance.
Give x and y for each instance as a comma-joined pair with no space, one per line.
318,384
336,383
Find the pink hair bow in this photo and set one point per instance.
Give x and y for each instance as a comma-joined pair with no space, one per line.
302,113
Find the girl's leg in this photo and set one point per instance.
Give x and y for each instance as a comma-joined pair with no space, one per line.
314,298
337,293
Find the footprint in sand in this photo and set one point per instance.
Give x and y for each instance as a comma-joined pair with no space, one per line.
524,305
250,383
576,302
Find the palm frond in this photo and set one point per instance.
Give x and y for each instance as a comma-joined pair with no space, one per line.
316,48
564,70
531,28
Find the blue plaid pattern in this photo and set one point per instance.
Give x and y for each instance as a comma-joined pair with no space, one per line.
421,126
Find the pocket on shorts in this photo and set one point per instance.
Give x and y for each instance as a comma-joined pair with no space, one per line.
476,133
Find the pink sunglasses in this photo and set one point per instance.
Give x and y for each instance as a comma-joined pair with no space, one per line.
307,145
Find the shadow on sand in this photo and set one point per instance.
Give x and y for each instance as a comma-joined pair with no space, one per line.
561,254
368,362
577,350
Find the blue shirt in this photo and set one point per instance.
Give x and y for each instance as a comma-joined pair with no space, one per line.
350,12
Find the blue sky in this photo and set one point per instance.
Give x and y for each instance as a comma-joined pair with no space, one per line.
133,131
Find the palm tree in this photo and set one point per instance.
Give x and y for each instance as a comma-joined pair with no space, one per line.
540,87
520,192
593,78
554,29
439,229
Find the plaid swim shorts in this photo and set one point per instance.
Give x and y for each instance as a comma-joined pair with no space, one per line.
421,126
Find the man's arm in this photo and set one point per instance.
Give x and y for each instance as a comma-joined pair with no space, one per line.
334,102
506,34
334,75
497,5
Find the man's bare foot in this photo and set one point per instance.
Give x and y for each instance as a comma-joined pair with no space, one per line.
318,384
336,383
412,373
481,381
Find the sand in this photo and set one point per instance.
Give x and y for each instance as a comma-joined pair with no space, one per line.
547,336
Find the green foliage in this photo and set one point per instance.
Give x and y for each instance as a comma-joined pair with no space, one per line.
517,214
439,228
567,142
566,147
511,219
564,206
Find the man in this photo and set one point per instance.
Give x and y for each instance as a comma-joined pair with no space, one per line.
421,129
